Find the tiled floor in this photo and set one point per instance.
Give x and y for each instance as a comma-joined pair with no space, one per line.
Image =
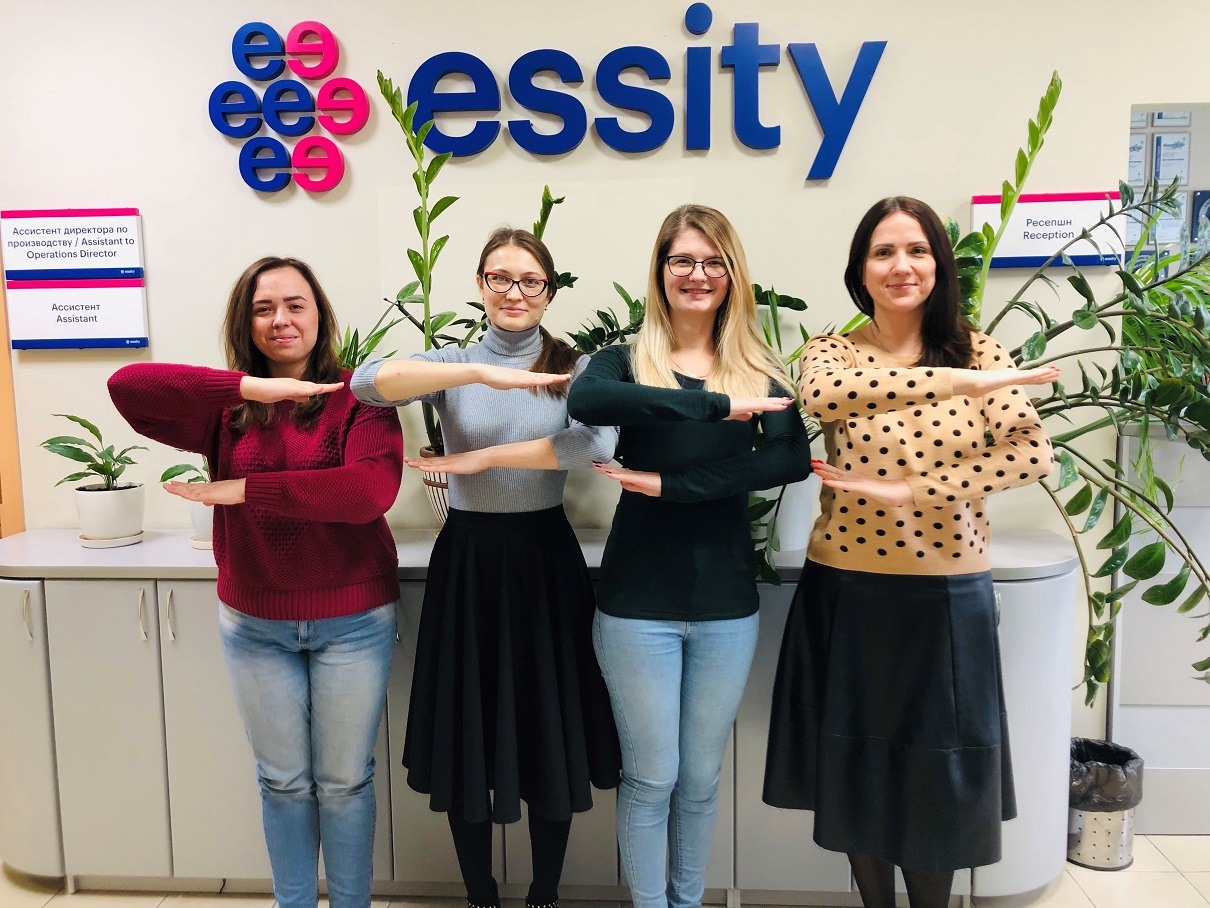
1169,871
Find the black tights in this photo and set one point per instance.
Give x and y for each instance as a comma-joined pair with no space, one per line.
876,883
473,843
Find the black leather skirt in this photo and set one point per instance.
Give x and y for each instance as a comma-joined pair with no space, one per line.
888,717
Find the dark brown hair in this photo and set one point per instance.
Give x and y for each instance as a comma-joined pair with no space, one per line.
945,333
243,355
556,357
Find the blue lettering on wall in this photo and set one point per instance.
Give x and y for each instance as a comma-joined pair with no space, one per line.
483,98
647,101
545,100
745,57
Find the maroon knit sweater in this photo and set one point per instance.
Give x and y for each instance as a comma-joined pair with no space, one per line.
310,540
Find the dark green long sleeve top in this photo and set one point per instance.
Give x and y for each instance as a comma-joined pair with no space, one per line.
687,555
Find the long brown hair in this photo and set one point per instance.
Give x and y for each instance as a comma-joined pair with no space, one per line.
556,357
945,334
243,355
744,364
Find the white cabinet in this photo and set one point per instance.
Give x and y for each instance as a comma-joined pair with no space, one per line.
424,851
29,819
216,816
212,787
109,726
774,850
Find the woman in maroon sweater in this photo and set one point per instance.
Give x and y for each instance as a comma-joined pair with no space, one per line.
302,474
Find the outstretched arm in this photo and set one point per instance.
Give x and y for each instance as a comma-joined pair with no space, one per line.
395,382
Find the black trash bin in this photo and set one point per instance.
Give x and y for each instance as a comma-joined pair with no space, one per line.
1106,785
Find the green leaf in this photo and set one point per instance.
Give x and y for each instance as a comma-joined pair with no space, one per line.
1080,501
435,166
1098,508
418,219
1191,603
1166,491
759,507
435,250
1085,319
417,264
79,420
1119,534
1146,562
1007,197
1068,473
442,204
76,477
421,134
1118,593
1113,562
1021,167
71,453
1033,348
1166,593
407,291
179,470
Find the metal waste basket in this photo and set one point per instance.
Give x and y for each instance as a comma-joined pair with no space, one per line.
1106,785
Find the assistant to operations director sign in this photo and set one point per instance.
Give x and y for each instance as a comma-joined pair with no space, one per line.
74,278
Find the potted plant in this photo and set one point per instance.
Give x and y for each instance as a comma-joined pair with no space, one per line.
200,515
1153,330
111,513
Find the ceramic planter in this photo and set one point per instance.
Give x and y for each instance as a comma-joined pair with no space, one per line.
110,514
437,489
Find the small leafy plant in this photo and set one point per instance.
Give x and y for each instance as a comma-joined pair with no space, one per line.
100,460
199,473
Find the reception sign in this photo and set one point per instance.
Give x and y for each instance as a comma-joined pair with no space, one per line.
1043,222
74,278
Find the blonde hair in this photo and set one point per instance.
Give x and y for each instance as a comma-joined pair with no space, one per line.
744,364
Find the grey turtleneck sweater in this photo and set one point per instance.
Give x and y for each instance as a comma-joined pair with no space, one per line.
475,416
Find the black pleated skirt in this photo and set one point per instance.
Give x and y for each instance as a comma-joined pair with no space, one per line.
888,717
508,703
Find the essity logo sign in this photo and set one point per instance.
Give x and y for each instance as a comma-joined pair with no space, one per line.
288,107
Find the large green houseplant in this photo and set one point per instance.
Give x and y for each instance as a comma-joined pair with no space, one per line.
1145,361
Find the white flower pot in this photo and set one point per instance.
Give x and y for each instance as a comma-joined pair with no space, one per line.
795,515
202,518
110,514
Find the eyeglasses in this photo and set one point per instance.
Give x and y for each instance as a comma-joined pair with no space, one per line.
682,266
502,283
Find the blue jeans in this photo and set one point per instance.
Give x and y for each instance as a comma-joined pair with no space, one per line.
311,694
675,688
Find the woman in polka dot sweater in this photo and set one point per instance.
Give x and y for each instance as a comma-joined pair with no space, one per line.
888,716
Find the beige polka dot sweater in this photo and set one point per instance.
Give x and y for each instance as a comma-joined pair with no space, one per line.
884,418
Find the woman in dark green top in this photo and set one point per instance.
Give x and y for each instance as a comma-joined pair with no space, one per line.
676,619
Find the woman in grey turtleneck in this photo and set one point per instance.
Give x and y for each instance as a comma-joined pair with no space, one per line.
508,703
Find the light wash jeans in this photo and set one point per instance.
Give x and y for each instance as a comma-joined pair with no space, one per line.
311,694
675,688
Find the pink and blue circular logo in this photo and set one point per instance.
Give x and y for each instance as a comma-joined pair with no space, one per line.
290,107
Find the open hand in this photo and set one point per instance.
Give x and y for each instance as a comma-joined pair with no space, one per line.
632,480
272,390
503,379
224,491
893,492
462,464
747,407
1043,375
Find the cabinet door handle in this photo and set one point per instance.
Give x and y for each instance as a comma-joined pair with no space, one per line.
25,615
996,596
142,627
168,614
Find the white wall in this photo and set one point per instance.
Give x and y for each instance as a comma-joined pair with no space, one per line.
106,106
